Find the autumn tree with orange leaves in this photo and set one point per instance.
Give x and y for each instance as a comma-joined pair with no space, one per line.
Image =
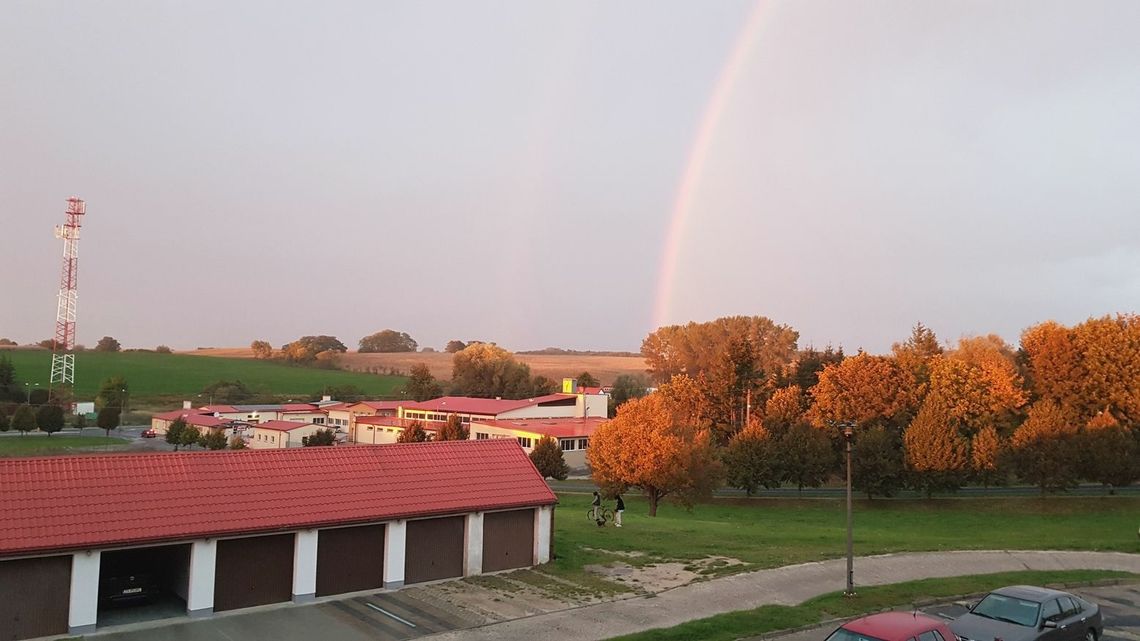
1045,448
659,445
978,384
784,409
863,388
936,453
988,457
1110,452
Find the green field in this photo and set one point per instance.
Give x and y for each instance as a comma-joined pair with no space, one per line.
42,445
775,532
771,618
174,376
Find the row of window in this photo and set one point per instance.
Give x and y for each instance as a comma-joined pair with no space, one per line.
570,444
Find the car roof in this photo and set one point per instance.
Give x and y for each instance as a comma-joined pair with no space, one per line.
893,626
1030,592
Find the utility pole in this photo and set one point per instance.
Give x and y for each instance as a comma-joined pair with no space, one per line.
849,435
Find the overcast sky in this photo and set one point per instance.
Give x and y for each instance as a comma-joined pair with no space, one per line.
508,170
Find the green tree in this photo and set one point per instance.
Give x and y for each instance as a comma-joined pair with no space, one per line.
541,386
38,396
455,346
488,371
877,463
320,437
388,341
413,433
261,349
227,392
421,385
347,393
1045,446
108,344
113,392
810,362
214,440
7,378
1110,452
237,443
174,432
625,387
24,420
750,460
107,419
50,418
585,379
452,430
163,349
804,456
915,353
548,459
5,420
305,350
190,437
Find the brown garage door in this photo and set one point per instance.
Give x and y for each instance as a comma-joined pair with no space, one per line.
508,540
435,549
253,571
34,597
350,559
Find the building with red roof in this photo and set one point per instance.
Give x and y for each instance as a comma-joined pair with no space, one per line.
232,529
279,434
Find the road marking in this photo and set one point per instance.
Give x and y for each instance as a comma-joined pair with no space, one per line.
389,614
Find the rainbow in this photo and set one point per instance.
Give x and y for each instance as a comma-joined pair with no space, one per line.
694,167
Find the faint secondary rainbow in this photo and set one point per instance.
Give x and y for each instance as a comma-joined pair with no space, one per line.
694,166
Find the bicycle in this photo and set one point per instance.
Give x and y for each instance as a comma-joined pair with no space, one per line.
605,515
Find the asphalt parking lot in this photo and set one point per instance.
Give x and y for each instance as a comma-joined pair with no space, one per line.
1119,606
387,616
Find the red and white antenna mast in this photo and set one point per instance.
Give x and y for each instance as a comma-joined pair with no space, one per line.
62,354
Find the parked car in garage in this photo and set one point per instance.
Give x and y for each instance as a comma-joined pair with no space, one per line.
1027,613
893,626
120,588
149,433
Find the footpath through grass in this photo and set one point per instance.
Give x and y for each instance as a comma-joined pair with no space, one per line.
43,445
153,376
765,533
771,618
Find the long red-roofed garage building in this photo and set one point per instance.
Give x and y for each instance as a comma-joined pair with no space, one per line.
234,529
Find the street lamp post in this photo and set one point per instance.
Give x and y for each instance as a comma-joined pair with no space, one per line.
28,388
849,435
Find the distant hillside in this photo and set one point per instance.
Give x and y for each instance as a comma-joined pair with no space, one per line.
558,351
177,376
556,366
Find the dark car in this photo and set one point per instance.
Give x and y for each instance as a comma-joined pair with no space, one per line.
1027,613
119,588
893,626
149,433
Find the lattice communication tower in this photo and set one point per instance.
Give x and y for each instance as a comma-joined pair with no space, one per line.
63,347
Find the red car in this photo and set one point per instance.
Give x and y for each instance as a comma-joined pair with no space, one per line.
149,433
894,626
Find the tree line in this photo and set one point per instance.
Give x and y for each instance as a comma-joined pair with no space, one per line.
740,404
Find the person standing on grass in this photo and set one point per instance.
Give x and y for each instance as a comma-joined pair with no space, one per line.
596,506
618,509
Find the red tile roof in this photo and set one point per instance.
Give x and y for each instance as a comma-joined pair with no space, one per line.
335,407
556,427
192,417
382,405
74,502
491,406
299,407
221,409
281,426
174,414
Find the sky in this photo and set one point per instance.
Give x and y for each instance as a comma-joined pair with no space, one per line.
569,174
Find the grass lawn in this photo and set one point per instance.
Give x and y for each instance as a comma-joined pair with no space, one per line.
770,618
152,375
775,532
40,444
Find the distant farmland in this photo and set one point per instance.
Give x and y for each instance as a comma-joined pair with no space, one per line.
154,376
554,366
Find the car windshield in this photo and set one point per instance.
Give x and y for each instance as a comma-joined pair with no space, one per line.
843,634
1009,609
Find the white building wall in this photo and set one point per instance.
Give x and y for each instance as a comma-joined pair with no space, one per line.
84,608
543,517
539,411
473,559
395,546
305,566
203,562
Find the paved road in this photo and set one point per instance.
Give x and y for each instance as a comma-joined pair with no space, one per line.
787,586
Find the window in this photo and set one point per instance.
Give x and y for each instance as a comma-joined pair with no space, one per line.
480,436
843,634
930,636
524,441
1068,608
1015,610
319,421
1051,610
567,444
582,443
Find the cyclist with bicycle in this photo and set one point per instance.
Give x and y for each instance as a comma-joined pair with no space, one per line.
596,509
